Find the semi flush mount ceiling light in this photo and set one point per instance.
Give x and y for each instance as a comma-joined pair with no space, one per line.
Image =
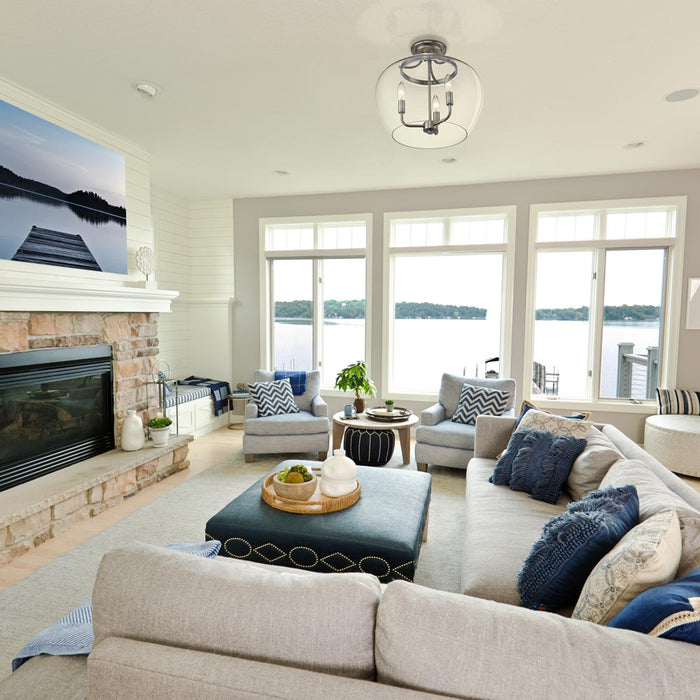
429,99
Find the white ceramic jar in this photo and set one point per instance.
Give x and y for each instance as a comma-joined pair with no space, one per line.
338,475
133,437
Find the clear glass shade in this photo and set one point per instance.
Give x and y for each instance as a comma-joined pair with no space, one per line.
466,91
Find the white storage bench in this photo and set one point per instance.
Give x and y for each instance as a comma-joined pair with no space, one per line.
675,441
195,411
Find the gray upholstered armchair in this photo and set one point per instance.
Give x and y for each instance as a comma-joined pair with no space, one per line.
442,441
306,431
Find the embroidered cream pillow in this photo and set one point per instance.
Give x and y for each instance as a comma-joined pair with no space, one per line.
539,420
647,556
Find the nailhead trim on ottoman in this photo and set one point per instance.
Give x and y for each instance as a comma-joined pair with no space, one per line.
373,448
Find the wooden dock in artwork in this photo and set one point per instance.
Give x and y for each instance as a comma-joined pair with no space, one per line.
48,247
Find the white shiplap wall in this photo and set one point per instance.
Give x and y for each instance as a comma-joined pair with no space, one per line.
172,244
194,250
138,196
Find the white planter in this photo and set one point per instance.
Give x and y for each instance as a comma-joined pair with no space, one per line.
133,437
159,436
338,475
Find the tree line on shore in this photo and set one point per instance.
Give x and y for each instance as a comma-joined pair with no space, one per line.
355,308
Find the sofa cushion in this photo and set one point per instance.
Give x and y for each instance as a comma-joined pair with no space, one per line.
301,423
572,544
526,406
500,527
273,398
543,462
647,556
592,464
463,647
654,497
447,434
313,386
671,611
559,425
229,609
477,400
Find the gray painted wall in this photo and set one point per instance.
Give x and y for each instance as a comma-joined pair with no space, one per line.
246,322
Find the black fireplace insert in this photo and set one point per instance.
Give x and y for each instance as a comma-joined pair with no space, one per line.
56,409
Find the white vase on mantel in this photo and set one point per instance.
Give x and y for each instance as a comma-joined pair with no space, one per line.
133,437
338,475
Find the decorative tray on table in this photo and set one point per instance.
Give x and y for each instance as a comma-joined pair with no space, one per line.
381,414
318,503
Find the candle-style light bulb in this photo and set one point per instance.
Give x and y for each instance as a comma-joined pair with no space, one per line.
401,95
449,95
436,108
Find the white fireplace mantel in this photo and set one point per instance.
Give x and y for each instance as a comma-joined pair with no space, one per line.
36,296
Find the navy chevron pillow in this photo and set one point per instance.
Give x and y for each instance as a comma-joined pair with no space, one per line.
478,400
273,398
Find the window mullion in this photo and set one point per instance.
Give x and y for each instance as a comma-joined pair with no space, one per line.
597,318
271,314
317,328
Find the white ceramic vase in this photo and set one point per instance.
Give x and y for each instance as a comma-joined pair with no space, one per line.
338,475
133,437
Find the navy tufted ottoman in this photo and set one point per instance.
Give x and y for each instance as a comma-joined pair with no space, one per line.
381,534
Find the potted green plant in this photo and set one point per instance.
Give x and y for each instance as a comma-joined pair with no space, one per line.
389,403
354,378
159,428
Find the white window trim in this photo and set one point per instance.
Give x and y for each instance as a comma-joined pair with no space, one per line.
673,291
264,287
508,249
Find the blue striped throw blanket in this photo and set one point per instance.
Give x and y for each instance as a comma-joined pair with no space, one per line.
72,635
219,391
296,379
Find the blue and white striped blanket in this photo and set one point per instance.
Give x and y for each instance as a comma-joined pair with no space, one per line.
72,635
219,391
297,379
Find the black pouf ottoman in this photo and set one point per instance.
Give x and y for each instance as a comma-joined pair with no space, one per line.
373,448
381,534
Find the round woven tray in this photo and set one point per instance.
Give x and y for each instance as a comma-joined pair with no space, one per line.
318,503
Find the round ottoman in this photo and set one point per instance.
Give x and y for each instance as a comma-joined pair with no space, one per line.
373,448
675,441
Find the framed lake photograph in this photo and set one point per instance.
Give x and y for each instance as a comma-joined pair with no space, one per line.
62,196
692,321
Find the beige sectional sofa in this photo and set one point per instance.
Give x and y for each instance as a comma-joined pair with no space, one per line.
169,625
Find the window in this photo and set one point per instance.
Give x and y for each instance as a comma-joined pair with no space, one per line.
446,307
315,294
604,283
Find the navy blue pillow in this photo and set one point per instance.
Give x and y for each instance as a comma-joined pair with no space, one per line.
543,463
665,611
504,466
572,543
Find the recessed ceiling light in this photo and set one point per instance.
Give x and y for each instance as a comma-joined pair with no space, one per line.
634,144
682,95
449,160
147,89
281,172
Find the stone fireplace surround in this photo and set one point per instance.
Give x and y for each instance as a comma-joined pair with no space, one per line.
96,484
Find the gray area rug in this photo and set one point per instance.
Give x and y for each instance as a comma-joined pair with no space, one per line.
41,598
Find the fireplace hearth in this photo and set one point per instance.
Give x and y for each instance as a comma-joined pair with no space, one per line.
56,409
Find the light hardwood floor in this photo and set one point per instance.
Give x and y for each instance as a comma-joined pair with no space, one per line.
204,452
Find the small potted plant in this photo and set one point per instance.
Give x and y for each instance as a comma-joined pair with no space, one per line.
354,378
159,428
295,482
389,403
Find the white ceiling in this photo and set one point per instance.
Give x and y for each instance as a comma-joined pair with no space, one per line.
254,86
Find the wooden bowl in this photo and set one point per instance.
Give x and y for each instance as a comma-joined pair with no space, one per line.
297,492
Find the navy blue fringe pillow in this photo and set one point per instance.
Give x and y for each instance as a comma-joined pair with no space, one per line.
572,543
504,466
543,463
